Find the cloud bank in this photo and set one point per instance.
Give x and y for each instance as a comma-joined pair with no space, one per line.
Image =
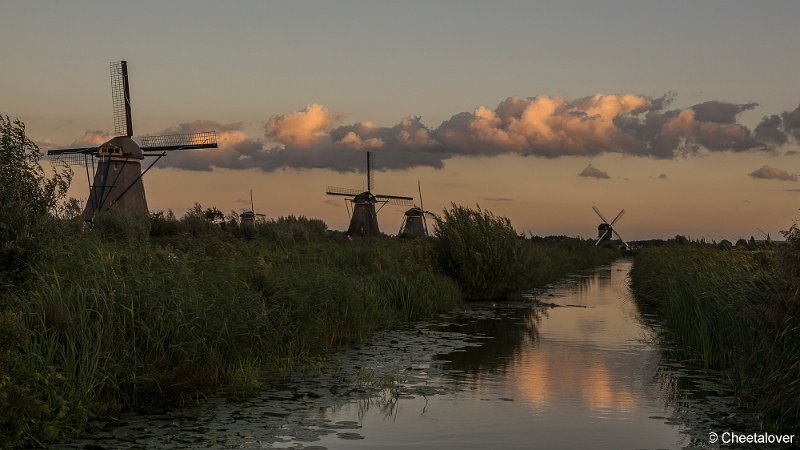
544,126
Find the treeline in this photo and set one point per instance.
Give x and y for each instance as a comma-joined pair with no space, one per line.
737,311
128,314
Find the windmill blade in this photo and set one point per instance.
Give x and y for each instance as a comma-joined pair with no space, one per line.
395,200
597,211
421,205
72,156
621,213
370,187
620,238
79,150
121,99
333,190
394,197
188,141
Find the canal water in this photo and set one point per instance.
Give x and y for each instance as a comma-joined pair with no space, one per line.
575,366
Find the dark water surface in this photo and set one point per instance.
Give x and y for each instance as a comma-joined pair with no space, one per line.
587,370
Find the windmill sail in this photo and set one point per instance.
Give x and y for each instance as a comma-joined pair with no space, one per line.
121,99
117,181
188,141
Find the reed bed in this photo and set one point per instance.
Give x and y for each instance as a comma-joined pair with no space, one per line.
490,260
731,310
137,316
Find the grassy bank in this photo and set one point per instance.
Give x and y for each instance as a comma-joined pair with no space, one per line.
733,310
133,315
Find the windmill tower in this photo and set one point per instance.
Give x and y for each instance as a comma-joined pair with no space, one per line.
117,163
606,230
414,222
364,219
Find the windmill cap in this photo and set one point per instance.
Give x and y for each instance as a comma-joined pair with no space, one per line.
130,149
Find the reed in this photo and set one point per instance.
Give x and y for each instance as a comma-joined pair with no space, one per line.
487,257
730,310
111,320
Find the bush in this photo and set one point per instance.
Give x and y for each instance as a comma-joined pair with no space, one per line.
481,251
28,199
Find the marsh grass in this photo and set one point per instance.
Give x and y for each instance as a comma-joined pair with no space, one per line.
730,310
112,320
487,257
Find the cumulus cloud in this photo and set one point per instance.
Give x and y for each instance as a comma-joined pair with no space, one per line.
593,172
543,126
93,138
301,129
771,173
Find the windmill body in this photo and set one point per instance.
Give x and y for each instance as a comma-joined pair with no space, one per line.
414,221
117,164
119,169
364,219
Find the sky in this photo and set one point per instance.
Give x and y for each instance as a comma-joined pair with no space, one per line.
684,113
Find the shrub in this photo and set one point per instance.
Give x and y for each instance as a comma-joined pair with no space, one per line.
481,251
28,199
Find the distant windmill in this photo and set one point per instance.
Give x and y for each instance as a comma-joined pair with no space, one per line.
606,230
414,223
249,217
118,173
364,221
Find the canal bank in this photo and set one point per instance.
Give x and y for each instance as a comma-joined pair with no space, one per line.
586,370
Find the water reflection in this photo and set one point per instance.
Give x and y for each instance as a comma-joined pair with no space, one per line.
578,356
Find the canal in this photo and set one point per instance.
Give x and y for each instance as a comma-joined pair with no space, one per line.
575,366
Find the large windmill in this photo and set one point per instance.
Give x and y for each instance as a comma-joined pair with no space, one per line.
364,221
117,163
606,230
414,222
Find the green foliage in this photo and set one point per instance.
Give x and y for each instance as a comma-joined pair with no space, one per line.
482,252
489,259
163,223
115,225
28,198
731,310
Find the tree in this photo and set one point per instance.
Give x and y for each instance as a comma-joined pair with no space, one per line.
28,199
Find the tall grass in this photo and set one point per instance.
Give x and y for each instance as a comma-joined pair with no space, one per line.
489,259
730,309
112,320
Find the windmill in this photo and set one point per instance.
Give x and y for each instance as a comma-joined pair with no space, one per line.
364,219
117,163
249,217
606,230
414,223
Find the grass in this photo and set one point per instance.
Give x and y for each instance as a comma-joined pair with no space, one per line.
731,310
490,260
114,320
